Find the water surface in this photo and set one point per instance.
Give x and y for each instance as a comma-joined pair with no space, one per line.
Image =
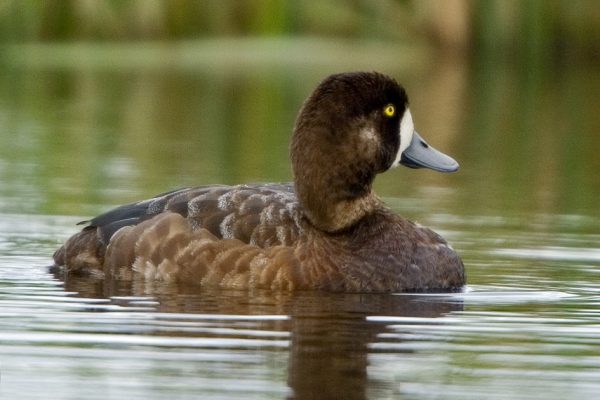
522,212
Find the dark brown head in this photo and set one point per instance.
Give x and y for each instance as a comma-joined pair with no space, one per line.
352,127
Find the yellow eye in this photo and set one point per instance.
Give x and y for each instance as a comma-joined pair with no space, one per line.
389,110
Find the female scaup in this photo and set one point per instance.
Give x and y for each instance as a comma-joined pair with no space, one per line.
328,230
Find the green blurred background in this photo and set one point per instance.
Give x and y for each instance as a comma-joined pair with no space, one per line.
513,28
103,102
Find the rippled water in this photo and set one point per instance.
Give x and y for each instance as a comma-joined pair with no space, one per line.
530,328
522,212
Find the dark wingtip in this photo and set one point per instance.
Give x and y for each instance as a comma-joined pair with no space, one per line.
56,269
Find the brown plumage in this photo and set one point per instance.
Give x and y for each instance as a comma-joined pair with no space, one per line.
327,231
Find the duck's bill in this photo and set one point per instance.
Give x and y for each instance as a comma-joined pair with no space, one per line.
419,154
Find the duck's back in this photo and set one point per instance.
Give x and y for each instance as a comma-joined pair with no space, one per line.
255,236
259,216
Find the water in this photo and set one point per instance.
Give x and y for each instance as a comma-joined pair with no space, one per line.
522,212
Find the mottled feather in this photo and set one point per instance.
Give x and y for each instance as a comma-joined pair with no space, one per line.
326,231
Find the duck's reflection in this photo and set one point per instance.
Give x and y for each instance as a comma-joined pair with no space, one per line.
331,339
331,334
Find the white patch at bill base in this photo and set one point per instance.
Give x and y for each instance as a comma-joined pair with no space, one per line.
407,128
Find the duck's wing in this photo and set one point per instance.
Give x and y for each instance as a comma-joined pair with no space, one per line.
263,215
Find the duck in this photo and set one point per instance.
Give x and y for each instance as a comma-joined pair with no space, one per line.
327,230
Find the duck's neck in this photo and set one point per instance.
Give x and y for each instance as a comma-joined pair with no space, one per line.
334,197
331,214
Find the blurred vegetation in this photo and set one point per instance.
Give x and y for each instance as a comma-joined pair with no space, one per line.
490,28
80,140
103,102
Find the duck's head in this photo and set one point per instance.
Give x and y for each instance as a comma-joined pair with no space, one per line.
352,127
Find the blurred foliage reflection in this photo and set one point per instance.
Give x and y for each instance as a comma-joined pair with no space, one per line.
103,102
74,138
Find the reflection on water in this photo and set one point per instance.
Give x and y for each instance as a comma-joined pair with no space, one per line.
76,139
522,212
530,328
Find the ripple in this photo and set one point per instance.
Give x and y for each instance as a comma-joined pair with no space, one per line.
493,295
488,341
553,253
